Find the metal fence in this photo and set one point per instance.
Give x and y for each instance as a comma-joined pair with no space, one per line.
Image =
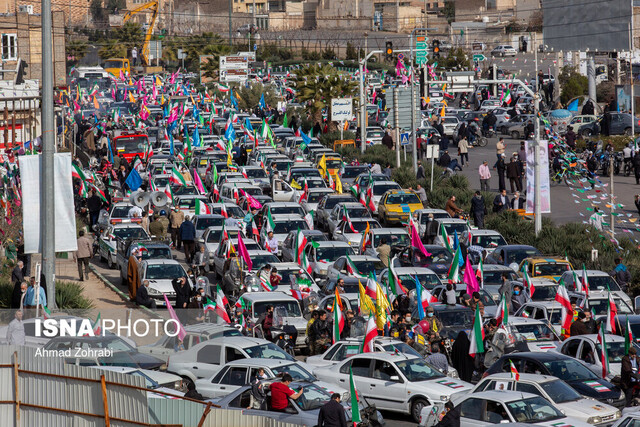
19,120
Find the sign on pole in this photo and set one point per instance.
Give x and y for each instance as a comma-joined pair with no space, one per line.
341,109
404,138
421,50
479,57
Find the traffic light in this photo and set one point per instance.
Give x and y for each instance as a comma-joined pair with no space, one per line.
389,51
436,48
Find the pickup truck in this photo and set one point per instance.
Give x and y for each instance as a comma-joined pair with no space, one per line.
153,250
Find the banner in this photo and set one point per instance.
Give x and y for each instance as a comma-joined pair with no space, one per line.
65,219
545,190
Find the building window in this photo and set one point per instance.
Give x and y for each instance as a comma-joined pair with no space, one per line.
9,46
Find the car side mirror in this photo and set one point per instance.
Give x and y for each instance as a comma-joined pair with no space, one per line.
394,378
338,232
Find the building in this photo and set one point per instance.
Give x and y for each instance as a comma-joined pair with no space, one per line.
22,39
246,6
76,12
354,15
195,17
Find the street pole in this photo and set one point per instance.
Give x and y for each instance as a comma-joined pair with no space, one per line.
414,152
230,22
535,59
47,212
612,198
633,98
363,109
396,119
536,166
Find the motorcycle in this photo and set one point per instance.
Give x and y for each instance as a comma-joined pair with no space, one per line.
618,160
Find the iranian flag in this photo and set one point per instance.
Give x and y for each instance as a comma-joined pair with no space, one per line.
221,304
338,321
269,223
562,296
454,270
371,205
152,185
265,282
585,281
477,335
395,284
514,372
424,298
149,152
507,96
526,281
301,242
612,312
604,356
176,177
202,208
76,172
99,192
209,306
355,409
223,88
363,199
305,264
371,288
254,229
371,333
446,238
480,273
223,210
352,269
628,337
169,193
241,304
502,313
97,326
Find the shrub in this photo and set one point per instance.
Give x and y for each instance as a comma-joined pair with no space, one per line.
69,295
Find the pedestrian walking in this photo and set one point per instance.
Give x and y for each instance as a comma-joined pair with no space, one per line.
17,275
463,150
514,173
94,204
501,202
15,332
134,56
332,413
188,236
636,166
420,172
176,218
83,255
596,219
502,168
500,147
478,209
485,176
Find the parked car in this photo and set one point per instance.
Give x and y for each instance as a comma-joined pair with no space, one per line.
504,50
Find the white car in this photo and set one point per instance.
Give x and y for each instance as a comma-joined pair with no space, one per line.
504,50
599,283
587,349
556,391
502,407
322,254
160,382
282,225
362,266
394,382
378,190
351,232
160,273
237,373
107,247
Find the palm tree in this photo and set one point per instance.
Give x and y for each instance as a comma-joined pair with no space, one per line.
75,49
317,85
112,49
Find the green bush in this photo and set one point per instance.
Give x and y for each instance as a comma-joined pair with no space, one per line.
68,295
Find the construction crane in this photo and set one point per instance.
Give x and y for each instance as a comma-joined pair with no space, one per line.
153,6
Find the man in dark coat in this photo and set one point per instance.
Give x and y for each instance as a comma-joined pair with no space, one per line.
514,173
332,413
570,137
587,108
451,418
578,327
478,209
143,298
16,274
501,202
445,159
502,168
387,140
636,166
183,292
94,203
629,376
188,236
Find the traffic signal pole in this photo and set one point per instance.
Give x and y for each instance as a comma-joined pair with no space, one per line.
363,103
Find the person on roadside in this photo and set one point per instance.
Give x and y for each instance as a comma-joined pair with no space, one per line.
501,202
94,204
332,413
176,218
478,209
83,255
463,151
500,147
15,331
143,298
422,194
629,376
621,274
33,298
485,176
636,166
452,208
445,159
514,173
420,172
502,168
517,202
596,220
17,275
188,236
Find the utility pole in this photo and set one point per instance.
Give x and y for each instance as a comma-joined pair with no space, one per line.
363,105
230,22
612,198
396,118
535,59
536,167
47,195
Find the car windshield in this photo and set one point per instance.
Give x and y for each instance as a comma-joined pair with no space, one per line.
457,227
615,351
380,189
494,277
334,164
599,283
455,317
424,218
545,293
285,210
569,369
261,260
164,271
204,223
403,199
131,144
297,372
534,332
359,212
232,211
189,203
331,254
601,305
490,241
214,236
393,239
417,370
401,347
360,226
550,268
130,232
428,281
315,197
113,64
292,307
313,397
284,227
268,351
516,256
437,256
120,211
353,171
533,410
256,173
368,267
559,391
332,201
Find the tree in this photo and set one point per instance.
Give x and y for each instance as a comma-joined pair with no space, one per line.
97,11
129,35
249,97
535,21
113,5
112,49
573,84
75,50
318,85
449,11
456,59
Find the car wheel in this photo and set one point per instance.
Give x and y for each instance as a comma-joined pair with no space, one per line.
627,132
587,133
504,130
416,408
515,134
185,382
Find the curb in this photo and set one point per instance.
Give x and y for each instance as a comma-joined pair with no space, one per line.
121,294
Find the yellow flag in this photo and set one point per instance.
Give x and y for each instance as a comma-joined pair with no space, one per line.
131,98
162,100
382,303
442,112
366,305
295,185
322,164
338,184
95,103
158,82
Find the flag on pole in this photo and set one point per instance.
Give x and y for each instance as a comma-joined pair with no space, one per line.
477,335
176,177
454,270
514,372
371,332
301,243
338,321
604,354
502,313
181,332
562,296
244,253
209,306
612,312
202,208
221,304
355,409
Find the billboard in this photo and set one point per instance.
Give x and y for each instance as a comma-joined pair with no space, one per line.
581,25
545,189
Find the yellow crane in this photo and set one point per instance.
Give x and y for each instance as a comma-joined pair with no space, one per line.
153,6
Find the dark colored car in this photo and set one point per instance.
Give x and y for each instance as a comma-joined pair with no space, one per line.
438,261
568,369
511,254
619,124
454,318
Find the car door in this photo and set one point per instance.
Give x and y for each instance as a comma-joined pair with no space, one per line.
282,192
588,355
361,368
228,381
207,361
472,412
387,388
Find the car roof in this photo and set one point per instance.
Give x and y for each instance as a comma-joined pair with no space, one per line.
501,396
477,232
412,270
355,258
385,183
546,356
260,362
450,221
282,204
495,267
207,327
388,357
331,244
157,261
267,296
389,230
514,320
594,337
286,217
536,378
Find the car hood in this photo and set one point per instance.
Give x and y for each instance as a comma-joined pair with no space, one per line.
211,247
537,346
353,238
441,386
318,362
564,422
584,408
161,285
598,389
297,322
